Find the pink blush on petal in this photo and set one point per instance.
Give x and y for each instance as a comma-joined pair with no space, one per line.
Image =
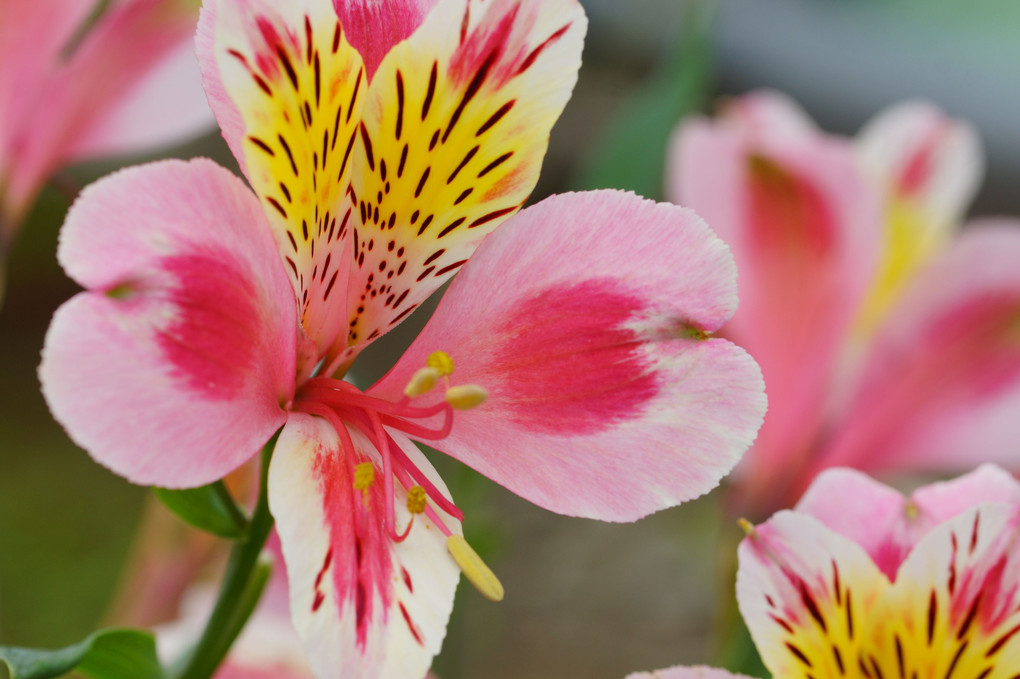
357,536
213,340
982,340
569,364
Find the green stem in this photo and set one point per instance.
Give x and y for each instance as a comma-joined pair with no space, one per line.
242,586
230,504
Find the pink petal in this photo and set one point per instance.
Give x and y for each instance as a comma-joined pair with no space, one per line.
942,379
267,648
233,670
942,501
807,595
918,153
958,594
364,605
687,673
32,35
586,318
174,366
373,28
167,107
770,114
870,513
75,95
887,524
804,227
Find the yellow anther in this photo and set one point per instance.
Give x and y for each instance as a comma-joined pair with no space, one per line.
466,396
416,499
364,476
474,569
911,510
441,362
747,527
422,382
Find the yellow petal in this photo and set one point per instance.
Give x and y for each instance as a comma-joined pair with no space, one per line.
455,127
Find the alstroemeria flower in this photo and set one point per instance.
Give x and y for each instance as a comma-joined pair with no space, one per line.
887,341
863,583
74,86
213,315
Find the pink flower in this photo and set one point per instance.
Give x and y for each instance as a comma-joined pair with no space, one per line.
887,340
214,316
72,89
859,581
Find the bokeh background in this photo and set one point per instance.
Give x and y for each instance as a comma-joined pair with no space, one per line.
584,599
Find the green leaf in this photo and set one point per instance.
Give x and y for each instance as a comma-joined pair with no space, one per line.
632,152
210,508
106,654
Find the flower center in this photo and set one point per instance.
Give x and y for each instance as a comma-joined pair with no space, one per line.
344,406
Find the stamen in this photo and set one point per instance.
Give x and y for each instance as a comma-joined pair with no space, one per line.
474,569
419,476
416,499
441,362
747,527
466,396
911,510
422,382
350,410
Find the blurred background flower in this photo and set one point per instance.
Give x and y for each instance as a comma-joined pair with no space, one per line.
888,341
584,599
84,79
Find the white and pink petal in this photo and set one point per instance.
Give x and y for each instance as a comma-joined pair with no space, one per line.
363,604
918,153
174,366
587,318
808,596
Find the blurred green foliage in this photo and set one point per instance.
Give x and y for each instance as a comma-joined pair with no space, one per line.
106,654
631,152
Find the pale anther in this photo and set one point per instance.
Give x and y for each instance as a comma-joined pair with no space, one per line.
422,382
474,569
466,396
441,362
416,499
